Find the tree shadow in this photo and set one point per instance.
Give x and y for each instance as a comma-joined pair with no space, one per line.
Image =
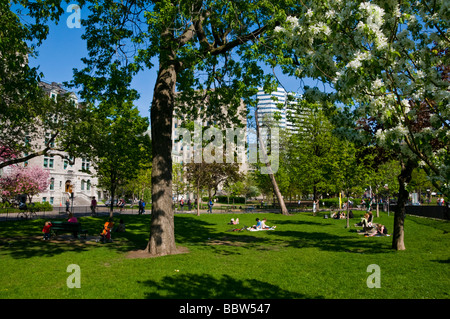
335,243
26,247
301,222
23,239
201,286
192,230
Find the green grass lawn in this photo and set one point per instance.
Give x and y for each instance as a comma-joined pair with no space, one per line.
305,257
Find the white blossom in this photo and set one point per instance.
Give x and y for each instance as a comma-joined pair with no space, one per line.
330,14
279,29
359,56
292,20
378,83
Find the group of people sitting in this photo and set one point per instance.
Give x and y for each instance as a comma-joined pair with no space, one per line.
261,225
341,215
108,228
105,235
371,229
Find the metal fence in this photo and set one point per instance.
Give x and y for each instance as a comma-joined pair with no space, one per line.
439,212
60,212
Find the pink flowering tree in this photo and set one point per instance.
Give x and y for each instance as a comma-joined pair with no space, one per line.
29,180
6,153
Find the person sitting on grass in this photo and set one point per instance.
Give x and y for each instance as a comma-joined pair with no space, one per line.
106,232
264,226
121,227
381,231
234,222
364,221
258,224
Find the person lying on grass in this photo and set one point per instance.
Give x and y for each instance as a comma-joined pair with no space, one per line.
381,231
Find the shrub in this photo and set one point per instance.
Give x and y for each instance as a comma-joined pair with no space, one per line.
224,199
43,207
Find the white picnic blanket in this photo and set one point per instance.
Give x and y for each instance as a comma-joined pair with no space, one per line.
254,229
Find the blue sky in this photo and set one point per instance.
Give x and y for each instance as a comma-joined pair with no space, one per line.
63,49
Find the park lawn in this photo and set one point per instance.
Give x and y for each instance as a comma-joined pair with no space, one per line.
304,257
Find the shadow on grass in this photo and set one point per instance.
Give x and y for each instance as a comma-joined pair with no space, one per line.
335,243
193,230
200,286
23,239
301,222
190,231
19,248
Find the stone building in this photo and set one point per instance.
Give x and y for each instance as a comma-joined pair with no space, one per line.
65,178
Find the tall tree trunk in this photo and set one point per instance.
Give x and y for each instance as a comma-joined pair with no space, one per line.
111,204
162,232
113,193
348,209
276,190
398,240
198,198
378,202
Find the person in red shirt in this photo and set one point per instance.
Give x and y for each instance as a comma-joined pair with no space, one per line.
46,230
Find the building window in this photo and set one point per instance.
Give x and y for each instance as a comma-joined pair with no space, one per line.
44,199
48,161
82,184
51,200
85,164
88,185
52,184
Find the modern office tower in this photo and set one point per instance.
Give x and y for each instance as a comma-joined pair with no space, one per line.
277,108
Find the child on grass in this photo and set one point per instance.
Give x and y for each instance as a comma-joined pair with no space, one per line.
46,230
106,233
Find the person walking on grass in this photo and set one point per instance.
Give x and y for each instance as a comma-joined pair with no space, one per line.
210,206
